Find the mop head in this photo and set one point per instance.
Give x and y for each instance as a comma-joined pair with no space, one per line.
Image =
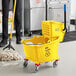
10,55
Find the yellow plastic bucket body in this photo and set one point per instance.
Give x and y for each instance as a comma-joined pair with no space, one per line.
53,29
41,53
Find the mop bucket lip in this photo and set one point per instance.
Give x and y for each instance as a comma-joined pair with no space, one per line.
49,42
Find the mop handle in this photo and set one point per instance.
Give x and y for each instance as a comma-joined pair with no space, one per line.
14,9
64,16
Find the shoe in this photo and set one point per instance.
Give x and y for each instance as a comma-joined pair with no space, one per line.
3,43
18,40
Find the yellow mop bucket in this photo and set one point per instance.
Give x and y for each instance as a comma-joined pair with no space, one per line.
52,29
42,49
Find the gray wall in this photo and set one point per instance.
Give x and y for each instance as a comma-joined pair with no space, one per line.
0,4
73,9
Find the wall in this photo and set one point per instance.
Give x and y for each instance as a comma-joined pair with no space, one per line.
73,9
0,4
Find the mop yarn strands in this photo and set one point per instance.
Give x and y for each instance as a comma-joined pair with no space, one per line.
10,55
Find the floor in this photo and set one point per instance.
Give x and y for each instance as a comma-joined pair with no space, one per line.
70,36
66,66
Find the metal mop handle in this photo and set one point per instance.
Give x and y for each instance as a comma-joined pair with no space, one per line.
46,9
13,18
64,17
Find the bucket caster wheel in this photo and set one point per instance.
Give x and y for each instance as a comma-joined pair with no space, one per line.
55,63
37,67
30,33
40,33
25,63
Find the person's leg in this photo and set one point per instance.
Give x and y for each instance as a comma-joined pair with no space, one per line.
18,21
5,8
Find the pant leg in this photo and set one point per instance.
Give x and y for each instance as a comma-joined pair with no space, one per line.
18,18
5,8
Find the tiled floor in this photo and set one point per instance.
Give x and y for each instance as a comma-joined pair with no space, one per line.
66,67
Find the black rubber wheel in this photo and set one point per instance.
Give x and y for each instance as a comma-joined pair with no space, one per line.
29,34
55,63
36,69
25,63
40,33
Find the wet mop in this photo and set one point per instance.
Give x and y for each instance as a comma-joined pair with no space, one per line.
9,55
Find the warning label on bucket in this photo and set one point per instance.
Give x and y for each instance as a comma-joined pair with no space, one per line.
47,54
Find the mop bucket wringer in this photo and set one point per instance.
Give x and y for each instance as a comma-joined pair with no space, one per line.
53,29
